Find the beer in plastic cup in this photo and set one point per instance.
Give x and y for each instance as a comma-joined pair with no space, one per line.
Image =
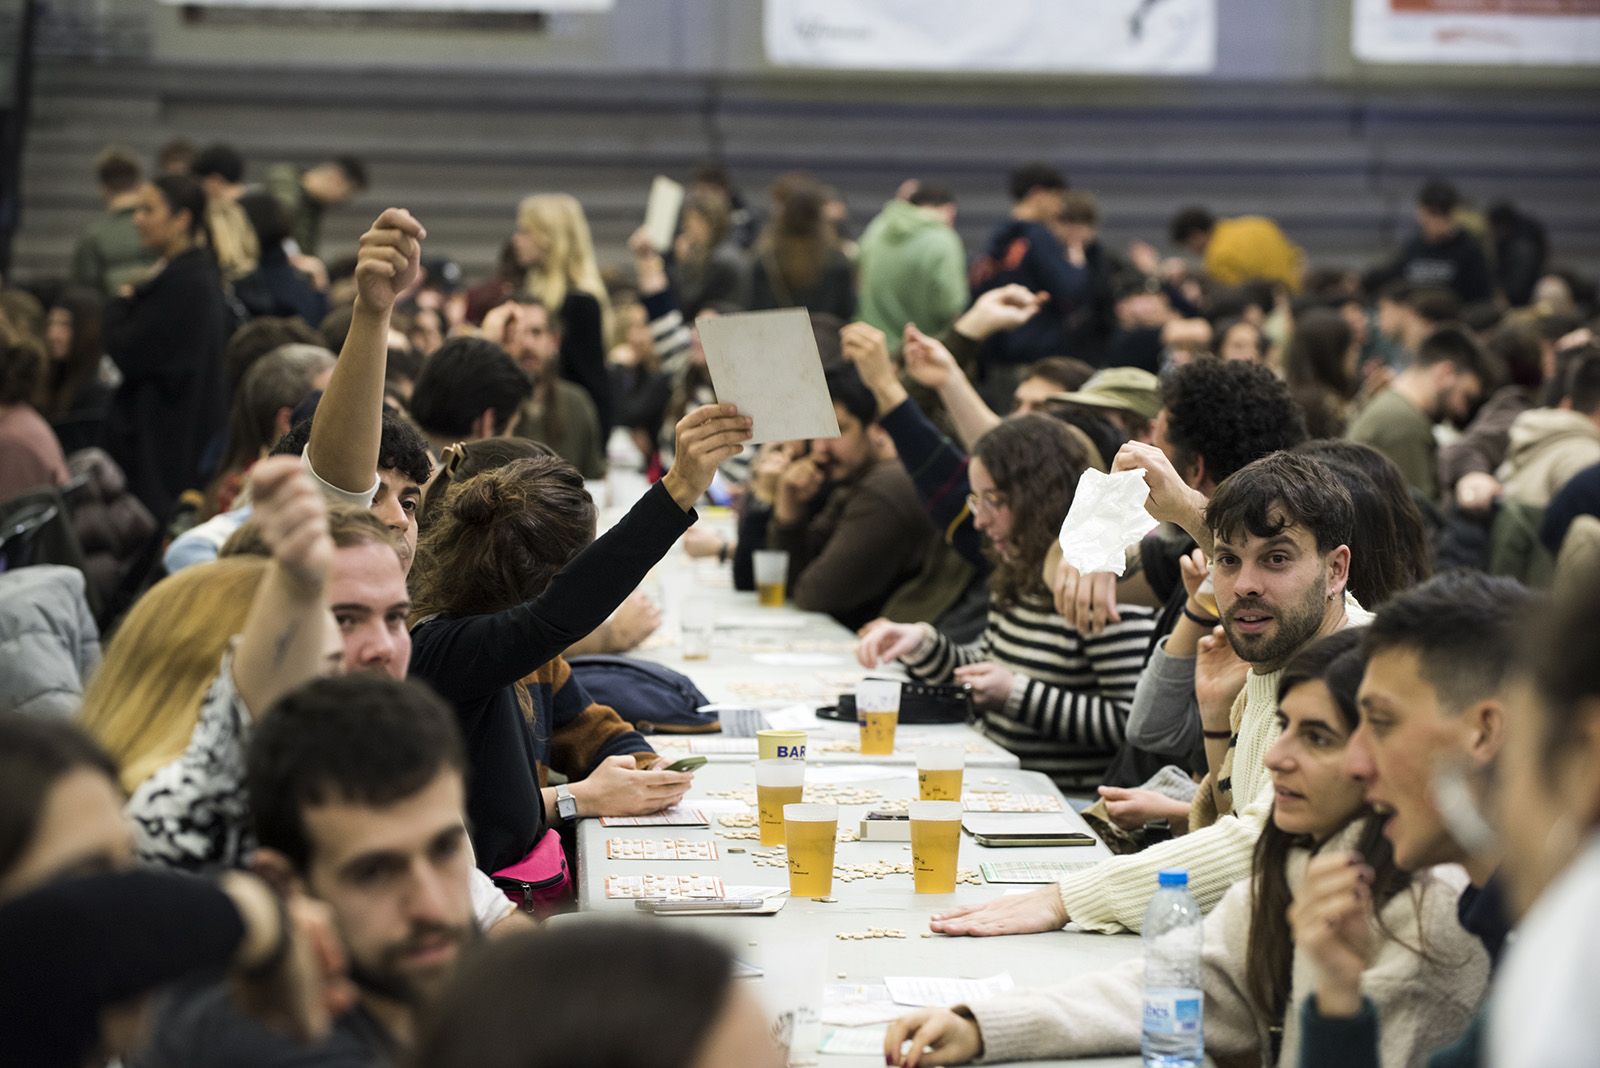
1206,597
779,783
935,841
878,714
772,576
939,774
781,745
809,833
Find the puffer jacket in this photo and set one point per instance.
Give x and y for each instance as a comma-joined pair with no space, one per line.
114,530
48,640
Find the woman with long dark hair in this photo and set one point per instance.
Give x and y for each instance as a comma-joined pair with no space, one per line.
1057,699
1321,364
1427,974
166,335
79,381
798,260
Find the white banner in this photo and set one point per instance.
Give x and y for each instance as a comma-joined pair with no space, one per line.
1548,32
1089,36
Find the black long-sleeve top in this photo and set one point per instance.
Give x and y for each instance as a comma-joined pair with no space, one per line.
167,341
475,662
583,355
81,945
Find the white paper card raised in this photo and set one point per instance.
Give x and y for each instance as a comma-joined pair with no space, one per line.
768,365
661,212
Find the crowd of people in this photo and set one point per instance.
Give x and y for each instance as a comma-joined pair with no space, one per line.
330,514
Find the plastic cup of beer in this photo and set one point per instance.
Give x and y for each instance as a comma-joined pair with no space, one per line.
779,783
939,773
809,833
935,841
781,745
877,714
1206,596
772,576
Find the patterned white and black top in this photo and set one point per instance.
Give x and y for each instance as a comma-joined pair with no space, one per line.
1067,713
193,813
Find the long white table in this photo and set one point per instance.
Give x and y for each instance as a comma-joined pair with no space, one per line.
776,658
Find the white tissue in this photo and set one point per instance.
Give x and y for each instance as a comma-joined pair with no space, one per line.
1107,516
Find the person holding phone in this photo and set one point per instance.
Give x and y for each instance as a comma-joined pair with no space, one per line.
1427,973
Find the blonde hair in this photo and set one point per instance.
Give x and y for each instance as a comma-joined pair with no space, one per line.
569,261
144,700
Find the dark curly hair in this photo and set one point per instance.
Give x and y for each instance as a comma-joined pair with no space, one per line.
1035,461
1228,414
400,447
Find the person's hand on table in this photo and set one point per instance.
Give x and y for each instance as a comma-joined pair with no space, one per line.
1087,602
936,1036
1002,308
1171,499
798,486
990,683
635,619
1332,919
887,642
618,788
928,362
1030,913
706,437
1477,491
1219,677
1132,809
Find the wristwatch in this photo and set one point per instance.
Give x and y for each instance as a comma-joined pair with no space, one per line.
566,804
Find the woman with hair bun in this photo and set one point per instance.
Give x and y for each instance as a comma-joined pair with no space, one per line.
506,578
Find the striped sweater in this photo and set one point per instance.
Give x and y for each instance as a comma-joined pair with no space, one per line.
1068,709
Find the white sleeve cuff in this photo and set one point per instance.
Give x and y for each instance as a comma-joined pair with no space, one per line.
334,494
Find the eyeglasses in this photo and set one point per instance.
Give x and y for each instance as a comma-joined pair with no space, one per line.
990,504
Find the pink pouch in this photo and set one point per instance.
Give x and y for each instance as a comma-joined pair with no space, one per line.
540,882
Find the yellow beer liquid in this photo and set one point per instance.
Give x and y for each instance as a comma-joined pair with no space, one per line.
939,784
810,847
770,801
770,594
1207,600
877,731
934,844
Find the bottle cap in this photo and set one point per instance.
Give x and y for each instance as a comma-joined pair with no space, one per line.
1173,878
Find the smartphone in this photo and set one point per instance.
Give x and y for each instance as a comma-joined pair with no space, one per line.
1034,838
688,763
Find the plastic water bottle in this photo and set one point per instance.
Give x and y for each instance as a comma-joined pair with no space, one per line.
1173,1034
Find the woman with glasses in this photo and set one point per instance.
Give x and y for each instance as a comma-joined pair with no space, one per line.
1057,699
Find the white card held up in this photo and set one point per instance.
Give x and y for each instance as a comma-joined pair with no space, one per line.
661,212
767,364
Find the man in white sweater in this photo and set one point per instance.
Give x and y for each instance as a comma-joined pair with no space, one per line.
1280,529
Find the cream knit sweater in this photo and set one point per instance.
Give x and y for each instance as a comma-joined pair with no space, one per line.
1112,895
1424,1002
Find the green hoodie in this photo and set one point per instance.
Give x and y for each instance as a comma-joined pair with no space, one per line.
913,269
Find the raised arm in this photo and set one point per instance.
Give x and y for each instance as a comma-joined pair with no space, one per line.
931,364
286,636
343,449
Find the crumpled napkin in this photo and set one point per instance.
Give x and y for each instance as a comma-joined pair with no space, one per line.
1107,516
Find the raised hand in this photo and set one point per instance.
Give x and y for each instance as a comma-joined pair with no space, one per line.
798,486
706,437
1001,308
928,362
390,260
865,346
1171,499
293,518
